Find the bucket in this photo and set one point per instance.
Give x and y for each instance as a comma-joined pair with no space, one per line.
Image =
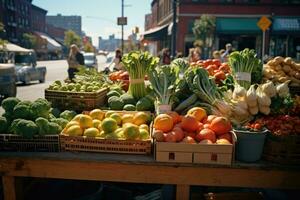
250,145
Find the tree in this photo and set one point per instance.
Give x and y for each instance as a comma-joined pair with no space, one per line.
88,47
204,30
29,40
72,38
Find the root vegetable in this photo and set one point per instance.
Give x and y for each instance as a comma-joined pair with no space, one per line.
264,109
253,110
286,68
288,60
269,88
283,89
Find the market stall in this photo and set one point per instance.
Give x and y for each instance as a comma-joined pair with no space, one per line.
206,123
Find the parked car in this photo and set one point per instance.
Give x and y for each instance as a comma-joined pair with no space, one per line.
26,69
7,81
90,60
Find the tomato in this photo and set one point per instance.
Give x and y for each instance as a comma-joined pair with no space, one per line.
220,75
210,70
199,62
257,126
207,62
224,69
216,62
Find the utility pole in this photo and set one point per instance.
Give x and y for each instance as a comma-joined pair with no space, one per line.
174,29
122,26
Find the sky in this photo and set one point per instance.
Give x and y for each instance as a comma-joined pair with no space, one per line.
99,17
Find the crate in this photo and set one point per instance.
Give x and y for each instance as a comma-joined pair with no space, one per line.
282,149
234,196
221,154
89,144
47,143
77,101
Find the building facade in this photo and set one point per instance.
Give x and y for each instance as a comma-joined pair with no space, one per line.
38,18
66,22
110,44
16,17
236,23
57,33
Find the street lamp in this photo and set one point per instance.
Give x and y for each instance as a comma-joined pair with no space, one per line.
174,29
122,21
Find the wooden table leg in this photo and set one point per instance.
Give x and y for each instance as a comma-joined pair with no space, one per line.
182,192
9,187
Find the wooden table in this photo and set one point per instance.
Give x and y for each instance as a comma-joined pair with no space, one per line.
141,169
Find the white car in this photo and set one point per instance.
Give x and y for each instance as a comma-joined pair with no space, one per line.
90,60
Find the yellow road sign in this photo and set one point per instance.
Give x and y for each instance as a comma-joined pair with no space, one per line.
264,23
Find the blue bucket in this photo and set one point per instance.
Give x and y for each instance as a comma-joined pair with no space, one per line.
250,145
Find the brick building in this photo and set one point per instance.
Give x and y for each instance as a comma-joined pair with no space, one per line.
55,32
235,23
16,17
38,18
66,22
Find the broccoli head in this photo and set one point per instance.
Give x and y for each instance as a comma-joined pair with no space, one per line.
9,103
25,128
60,121
54,128
43,125
68,114
22,111
40,108
3,125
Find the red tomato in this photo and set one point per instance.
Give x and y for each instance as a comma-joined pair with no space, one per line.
210,70
216,62
207,62
220,75
224,69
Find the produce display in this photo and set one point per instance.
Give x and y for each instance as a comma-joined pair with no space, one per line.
194,127
110,125
207,102
27,118
281,70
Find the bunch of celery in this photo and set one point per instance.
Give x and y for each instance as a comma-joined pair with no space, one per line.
164,80
206,90
138,63
245,62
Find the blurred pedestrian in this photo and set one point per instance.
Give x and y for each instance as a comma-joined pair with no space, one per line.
179,55
217,55
227,52
117,61
194,54
75,60
166,56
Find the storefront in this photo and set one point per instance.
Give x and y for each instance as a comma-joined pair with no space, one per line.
240,32
285,37
157,38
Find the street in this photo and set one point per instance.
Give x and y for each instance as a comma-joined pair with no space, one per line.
56,70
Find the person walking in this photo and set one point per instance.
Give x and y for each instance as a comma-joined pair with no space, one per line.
75,60
166,57
194,54
227,52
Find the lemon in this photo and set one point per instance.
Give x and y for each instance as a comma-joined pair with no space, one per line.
91,132
97,114
117,117
74,130
96,123
127,118
141,118
85,121
144,126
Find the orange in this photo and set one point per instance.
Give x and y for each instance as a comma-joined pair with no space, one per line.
164,123
189,123
197,112
175,116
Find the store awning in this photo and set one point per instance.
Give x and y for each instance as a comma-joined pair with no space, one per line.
156,33
52,45
14,48
286,24
237,25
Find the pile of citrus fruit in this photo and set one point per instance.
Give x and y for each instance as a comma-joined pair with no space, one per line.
110,125
194,127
